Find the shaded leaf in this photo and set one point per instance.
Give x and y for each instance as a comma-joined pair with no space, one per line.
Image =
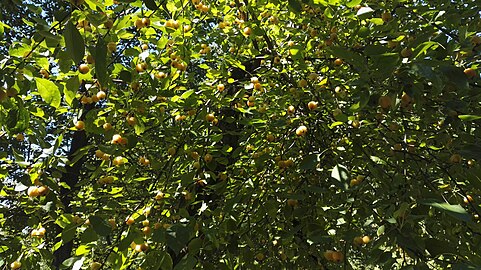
74,43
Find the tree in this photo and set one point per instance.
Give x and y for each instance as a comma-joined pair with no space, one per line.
241,134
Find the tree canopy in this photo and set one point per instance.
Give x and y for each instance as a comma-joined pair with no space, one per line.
243,134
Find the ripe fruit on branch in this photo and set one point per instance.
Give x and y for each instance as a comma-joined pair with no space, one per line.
386,16
385,102
172,24
312,105
220,87
118,161
455,158
15,265
468,199
338,62
116,139
146,22
39,233
406,52
20,137
171,151
470,73
302,83
292,202
208,158
247,31
83,68
129,221
210,117
301,131
95,265
291,109
131,120
111,46
80,125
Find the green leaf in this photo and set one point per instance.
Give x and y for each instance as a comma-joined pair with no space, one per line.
295,6
100,226
74,43
454,210
187,262
437,247
341,174
353,3
48,91
70,89
467,117
18,119
101,61
150,4
158,259
309,162
69,233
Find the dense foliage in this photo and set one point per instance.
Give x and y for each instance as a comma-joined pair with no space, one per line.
214,134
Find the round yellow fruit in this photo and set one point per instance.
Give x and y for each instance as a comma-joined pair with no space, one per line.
15,265
301,131
385,102
83,68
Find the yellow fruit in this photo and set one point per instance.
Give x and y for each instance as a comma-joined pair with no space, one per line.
138,24
84,68
398,147
291,109
220,87
145,21
358,241
468,199
210,117
95,266
366,239
301,131
260,256
131,120
101,95
130,221
15,265
328,255
33,192
247,31
118,161
292,202
171,151
337,256
42,190
386,16
208,158
338,62
405,100
312,105
111,46
302,83
116,139
146,230
406,52
455,158
270,138
385,102
470,73
80,125
20,137
356,124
